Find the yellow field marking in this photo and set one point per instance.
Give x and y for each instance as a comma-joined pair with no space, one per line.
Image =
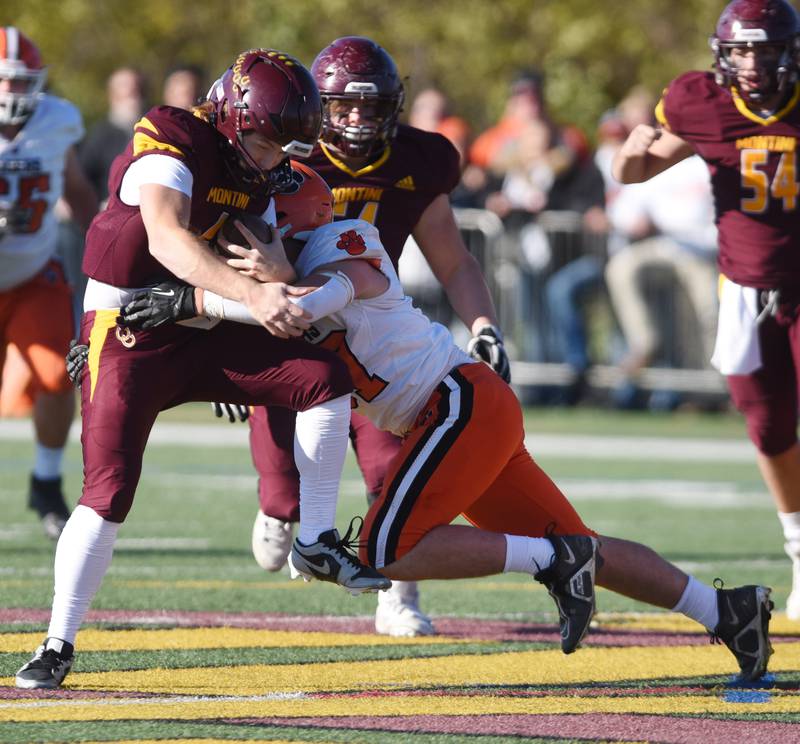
193,638
669,622
590,665
188,709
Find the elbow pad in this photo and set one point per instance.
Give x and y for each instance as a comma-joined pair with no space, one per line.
336,293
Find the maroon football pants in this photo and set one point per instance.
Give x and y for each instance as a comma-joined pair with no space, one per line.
130,377
272,448
768,397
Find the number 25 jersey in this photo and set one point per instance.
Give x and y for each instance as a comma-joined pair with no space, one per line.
31,181
754,176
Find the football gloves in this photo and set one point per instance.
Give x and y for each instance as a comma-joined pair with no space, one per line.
168,302
233,411
76,360
487,346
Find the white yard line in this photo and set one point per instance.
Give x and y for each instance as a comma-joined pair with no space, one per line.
583,446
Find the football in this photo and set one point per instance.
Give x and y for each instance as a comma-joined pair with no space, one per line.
252,222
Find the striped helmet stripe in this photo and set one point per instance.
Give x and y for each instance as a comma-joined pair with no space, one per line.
9,43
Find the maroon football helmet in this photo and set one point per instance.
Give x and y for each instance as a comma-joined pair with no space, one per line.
21,64
271,93
752,24
355,72
305,205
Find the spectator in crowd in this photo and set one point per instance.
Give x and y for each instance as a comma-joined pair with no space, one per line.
107,139
668,222
544,168
570,287
430,111
38,165
184,86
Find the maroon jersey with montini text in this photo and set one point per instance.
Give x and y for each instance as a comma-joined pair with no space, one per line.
394,191
754,175
116,244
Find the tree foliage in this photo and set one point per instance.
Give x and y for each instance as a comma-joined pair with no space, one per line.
592,53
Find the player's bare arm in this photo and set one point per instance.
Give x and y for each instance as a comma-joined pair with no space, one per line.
454,266
647,152
165,213
78,192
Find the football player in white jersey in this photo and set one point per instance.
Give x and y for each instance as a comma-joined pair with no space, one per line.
38,166
463,450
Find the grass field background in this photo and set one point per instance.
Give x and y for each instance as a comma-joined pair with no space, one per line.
254,656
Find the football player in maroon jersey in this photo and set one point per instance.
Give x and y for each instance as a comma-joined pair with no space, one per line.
743,119
179,177
398,178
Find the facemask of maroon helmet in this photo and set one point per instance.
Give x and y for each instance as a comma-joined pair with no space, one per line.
271,93
355,73
21,65
771,29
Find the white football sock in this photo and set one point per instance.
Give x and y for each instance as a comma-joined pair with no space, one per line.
82,558
699,602
320,446
47,465
528,554
791,532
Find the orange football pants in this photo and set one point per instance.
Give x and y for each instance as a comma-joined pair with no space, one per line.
35,318
465,455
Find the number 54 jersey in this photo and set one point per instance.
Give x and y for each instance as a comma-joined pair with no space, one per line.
31,181
396,356
753,162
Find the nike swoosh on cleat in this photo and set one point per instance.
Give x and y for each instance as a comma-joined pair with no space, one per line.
162,293
323,567
571,556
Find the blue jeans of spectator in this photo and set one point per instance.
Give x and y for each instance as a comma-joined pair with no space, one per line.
565,291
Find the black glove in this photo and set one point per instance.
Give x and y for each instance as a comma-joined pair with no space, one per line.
76,360
487,346
232,410
165,303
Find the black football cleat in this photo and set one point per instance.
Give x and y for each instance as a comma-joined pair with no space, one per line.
330,559
744,615
570,581
47,500
51,662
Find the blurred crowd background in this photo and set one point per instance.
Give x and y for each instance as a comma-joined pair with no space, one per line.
606,294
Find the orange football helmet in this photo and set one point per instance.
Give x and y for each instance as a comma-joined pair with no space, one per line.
305,205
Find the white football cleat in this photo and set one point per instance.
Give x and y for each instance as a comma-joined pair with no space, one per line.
272,541
793,602
398,612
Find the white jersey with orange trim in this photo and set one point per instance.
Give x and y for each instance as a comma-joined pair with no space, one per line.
396,356
31,182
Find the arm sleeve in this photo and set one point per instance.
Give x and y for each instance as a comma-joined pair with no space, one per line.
332,296
159,169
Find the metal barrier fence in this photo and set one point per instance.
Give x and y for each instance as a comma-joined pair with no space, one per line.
517,266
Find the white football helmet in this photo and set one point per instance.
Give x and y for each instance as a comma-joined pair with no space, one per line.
22,76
